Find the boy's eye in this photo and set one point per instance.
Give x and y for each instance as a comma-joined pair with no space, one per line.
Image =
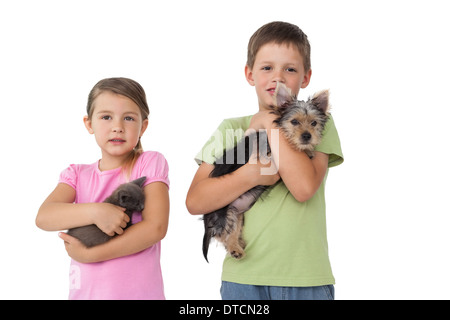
291,70
266,68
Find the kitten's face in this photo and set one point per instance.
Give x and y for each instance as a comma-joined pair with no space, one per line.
132,197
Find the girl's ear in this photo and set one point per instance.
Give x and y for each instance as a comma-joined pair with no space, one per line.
144,126
88,124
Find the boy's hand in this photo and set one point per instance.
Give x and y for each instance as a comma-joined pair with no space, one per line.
263,174
263,171
109,218
262,120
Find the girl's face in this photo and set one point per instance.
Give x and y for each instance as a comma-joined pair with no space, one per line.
117,125
274,63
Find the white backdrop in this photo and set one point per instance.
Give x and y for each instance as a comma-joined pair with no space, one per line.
386,63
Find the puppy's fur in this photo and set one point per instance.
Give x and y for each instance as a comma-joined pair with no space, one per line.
302,124
129,196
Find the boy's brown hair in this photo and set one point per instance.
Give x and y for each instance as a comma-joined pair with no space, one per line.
279,33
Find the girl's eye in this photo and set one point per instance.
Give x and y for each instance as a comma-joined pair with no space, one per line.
129,119
106,118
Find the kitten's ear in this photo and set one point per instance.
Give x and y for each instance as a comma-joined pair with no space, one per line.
321,100
283,95
140,181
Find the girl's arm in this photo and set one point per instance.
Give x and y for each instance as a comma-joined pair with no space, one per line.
140,236
208,194
301,175
58,212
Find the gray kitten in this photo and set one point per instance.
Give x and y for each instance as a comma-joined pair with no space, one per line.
129,196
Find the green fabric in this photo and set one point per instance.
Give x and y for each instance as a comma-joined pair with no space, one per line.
286,239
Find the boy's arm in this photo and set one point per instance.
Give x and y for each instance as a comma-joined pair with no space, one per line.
58,212
208,194
301,175
140,236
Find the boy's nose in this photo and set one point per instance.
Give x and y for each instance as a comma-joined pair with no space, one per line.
278,77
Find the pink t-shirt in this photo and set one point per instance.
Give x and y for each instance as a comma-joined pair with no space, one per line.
137,276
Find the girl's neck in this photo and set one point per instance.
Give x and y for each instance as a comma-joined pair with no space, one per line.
109,163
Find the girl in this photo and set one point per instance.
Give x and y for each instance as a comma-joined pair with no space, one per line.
127,266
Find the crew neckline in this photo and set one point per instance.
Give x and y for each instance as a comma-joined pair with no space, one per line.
105,172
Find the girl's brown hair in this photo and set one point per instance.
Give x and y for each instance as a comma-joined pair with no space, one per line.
279,33
132,90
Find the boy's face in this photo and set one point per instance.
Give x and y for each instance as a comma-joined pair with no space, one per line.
273,63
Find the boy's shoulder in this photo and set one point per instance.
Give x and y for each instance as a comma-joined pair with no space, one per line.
225,136
236,123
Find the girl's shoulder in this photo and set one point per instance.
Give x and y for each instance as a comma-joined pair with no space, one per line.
153,157
153,165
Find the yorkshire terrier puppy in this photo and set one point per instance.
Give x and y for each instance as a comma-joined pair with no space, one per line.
302,124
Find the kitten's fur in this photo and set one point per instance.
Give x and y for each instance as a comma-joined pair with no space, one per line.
129,196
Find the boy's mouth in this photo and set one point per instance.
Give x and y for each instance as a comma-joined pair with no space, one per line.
271,91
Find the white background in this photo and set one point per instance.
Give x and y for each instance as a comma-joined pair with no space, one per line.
386,63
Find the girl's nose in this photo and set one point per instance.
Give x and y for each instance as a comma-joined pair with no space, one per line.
117,126
117,129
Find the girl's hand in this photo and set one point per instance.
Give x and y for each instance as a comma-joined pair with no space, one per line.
109,218
75,249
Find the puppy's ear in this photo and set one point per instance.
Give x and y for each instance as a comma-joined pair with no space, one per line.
321,100
283,95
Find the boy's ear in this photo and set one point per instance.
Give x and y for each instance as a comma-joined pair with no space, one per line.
88,124
283,95
249,75
306,79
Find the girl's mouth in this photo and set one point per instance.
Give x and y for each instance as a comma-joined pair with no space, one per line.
116,141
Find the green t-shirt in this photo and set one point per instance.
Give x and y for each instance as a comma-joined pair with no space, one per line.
286,239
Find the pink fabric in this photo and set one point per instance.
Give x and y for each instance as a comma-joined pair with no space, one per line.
137,276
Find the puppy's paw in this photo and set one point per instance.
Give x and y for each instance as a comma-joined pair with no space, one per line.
237,252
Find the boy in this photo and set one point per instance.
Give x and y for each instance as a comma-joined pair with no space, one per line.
285,232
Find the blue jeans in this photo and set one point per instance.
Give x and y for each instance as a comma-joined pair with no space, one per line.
237,291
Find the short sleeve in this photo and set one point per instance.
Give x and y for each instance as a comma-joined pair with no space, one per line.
154,166
69,176
331,144
226,136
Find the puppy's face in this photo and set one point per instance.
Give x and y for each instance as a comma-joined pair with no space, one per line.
301,122
302,125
